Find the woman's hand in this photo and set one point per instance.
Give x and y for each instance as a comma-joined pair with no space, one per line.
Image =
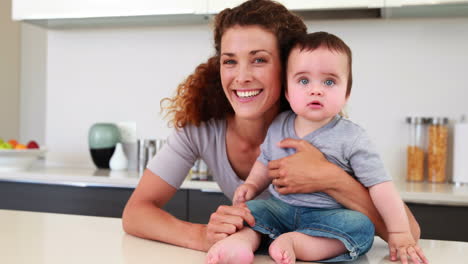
226,221
303,172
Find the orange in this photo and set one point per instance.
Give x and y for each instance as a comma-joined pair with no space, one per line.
13,142
20,146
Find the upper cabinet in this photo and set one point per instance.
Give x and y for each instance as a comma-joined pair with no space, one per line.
171,11
403,3
215,6
334,4
58,9
425,8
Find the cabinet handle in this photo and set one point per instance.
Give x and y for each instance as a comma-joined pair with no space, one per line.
210,191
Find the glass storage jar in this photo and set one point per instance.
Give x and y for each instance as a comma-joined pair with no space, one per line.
437,149
415,149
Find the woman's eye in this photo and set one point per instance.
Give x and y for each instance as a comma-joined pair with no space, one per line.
259,60
304,81
329,82
229,61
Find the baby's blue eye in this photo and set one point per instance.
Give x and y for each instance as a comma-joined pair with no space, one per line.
329,82
304,81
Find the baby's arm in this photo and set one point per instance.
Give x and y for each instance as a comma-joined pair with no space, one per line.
256,182
390,206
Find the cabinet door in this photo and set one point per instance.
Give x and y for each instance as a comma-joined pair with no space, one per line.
425,8
202,204
49,9
63,199
177,206
441,222
215,6
400,3
95,201
330,4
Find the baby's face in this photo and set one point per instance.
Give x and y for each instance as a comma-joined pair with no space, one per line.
317,83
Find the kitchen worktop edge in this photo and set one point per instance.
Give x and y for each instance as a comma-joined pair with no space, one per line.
421,193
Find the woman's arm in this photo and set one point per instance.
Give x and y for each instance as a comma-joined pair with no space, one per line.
309,171
143,217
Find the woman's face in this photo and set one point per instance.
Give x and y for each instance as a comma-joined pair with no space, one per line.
251,71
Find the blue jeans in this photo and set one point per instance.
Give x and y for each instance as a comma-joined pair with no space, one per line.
274,217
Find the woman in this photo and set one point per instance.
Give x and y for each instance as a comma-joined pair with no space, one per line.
222,113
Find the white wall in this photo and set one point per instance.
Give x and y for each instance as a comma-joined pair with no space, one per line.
401,67
9,73
33,83
113,75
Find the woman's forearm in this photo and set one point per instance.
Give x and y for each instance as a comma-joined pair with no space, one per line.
143,216
147,221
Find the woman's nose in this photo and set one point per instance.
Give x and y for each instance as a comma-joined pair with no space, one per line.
244,74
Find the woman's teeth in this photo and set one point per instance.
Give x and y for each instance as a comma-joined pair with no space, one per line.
246,94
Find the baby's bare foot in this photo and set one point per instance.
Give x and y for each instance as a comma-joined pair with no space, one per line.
230,251
282,251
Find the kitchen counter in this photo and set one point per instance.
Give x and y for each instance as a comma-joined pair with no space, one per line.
421,193
30,237
89,177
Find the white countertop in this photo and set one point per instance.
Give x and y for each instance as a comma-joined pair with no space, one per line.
45,238
89,177
423,193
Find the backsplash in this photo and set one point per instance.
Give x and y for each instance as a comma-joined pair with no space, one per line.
400,68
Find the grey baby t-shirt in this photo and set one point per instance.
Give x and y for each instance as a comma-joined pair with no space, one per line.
342,142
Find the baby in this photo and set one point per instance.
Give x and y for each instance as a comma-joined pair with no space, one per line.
313,226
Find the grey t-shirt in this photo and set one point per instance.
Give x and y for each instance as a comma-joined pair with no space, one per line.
184,146
343,143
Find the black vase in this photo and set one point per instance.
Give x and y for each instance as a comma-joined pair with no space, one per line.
101,157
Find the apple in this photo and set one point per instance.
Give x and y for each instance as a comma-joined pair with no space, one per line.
32,145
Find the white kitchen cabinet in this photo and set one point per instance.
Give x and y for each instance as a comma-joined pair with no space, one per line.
215,6
75,11
402,3
331,4
58,9
425,8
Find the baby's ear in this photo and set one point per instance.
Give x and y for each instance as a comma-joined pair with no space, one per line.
286,94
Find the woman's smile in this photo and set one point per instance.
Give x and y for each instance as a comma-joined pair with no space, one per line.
247,93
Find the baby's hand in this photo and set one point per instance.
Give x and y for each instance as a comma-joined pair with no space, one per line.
402,246
244,193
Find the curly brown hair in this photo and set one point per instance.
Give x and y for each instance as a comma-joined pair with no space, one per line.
201,97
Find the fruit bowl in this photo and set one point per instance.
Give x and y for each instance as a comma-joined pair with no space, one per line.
19,159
